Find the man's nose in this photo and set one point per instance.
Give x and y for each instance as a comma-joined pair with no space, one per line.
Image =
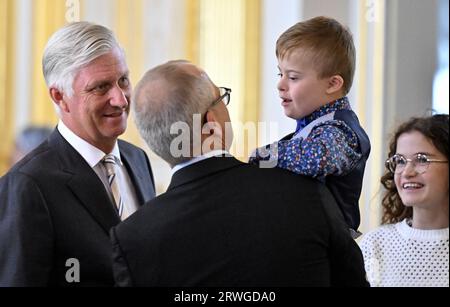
119,97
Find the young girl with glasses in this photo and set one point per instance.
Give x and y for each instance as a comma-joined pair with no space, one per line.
412,247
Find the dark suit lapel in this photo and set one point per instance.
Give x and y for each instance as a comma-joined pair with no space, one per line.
85,184
202,169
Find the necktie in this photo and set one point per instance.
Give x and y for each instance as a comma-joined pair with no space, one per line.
110,164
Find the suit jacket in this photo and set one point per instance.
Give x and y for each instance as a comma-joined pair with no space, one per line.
53,208
226,223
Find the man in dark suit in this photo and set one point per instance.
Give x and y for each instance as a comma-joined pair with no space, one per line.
222,222
58,204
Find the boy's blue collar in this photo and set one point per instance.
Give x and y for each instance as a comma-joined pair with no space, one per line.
301,123
333,106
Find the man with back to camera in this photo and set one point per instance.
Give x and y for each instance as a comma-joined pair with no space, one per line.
219,223
58,204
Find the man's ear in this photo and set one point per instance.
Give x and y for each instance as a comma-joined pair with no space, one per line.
335,84
58,98
211,116
212,123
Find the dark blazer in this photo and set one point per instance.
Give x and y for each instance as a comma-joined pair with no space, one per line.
226,223
53,207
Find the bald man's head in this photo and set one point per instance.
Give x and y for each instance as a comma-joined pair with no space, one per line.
168,94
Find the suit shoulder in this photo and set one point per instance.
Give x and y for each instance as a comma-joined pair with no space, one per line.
131,150
124,145
41,157
287,183
272,175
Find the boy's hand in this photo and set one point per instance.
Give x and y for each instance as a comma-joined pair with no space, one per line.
259,154
265,157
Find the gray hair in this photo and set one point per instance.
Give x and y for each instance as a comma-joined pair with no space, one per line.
178,96
73,47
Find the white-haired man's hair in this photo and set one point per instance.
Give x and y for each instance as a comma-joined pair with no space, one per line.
71,48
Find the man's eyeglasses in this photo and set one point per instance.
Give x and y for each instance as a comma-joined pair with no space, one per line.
397,163
224,96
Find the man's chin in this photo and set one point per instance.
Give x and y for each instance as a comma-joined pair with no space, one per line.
115,132
114,125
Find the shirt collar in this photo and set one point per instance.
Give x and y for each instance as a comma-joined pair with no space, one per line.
330,107
90,153
208,155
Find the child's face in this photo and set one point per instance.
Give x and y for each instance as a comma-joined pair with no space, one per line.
300,89
422,190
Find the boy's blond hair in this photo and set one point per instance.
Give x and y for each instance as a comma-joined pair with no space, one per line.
327,42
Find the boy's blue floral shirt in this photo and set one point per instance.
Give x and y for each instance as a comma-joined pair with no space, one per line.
331,148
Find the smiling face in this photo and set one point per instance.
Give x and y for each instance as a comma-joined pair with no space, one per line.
98,110
300,88
429,189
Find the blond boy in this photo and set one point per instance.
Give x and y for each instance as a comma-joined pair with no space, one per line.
316,60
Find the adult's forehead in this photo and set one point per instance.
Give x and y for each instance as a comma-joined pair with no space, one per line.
116,58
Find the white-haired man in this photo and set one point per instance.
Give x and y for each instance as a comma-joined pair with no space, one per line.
58,204
222,222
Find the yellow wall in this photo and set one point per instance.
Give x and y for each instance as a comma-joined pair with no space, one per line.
128,27
229,51
192,30
370,108
7,75
48,16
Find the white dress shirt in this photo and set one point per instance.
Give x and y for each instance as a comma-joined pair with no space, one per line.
208,155
94,157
